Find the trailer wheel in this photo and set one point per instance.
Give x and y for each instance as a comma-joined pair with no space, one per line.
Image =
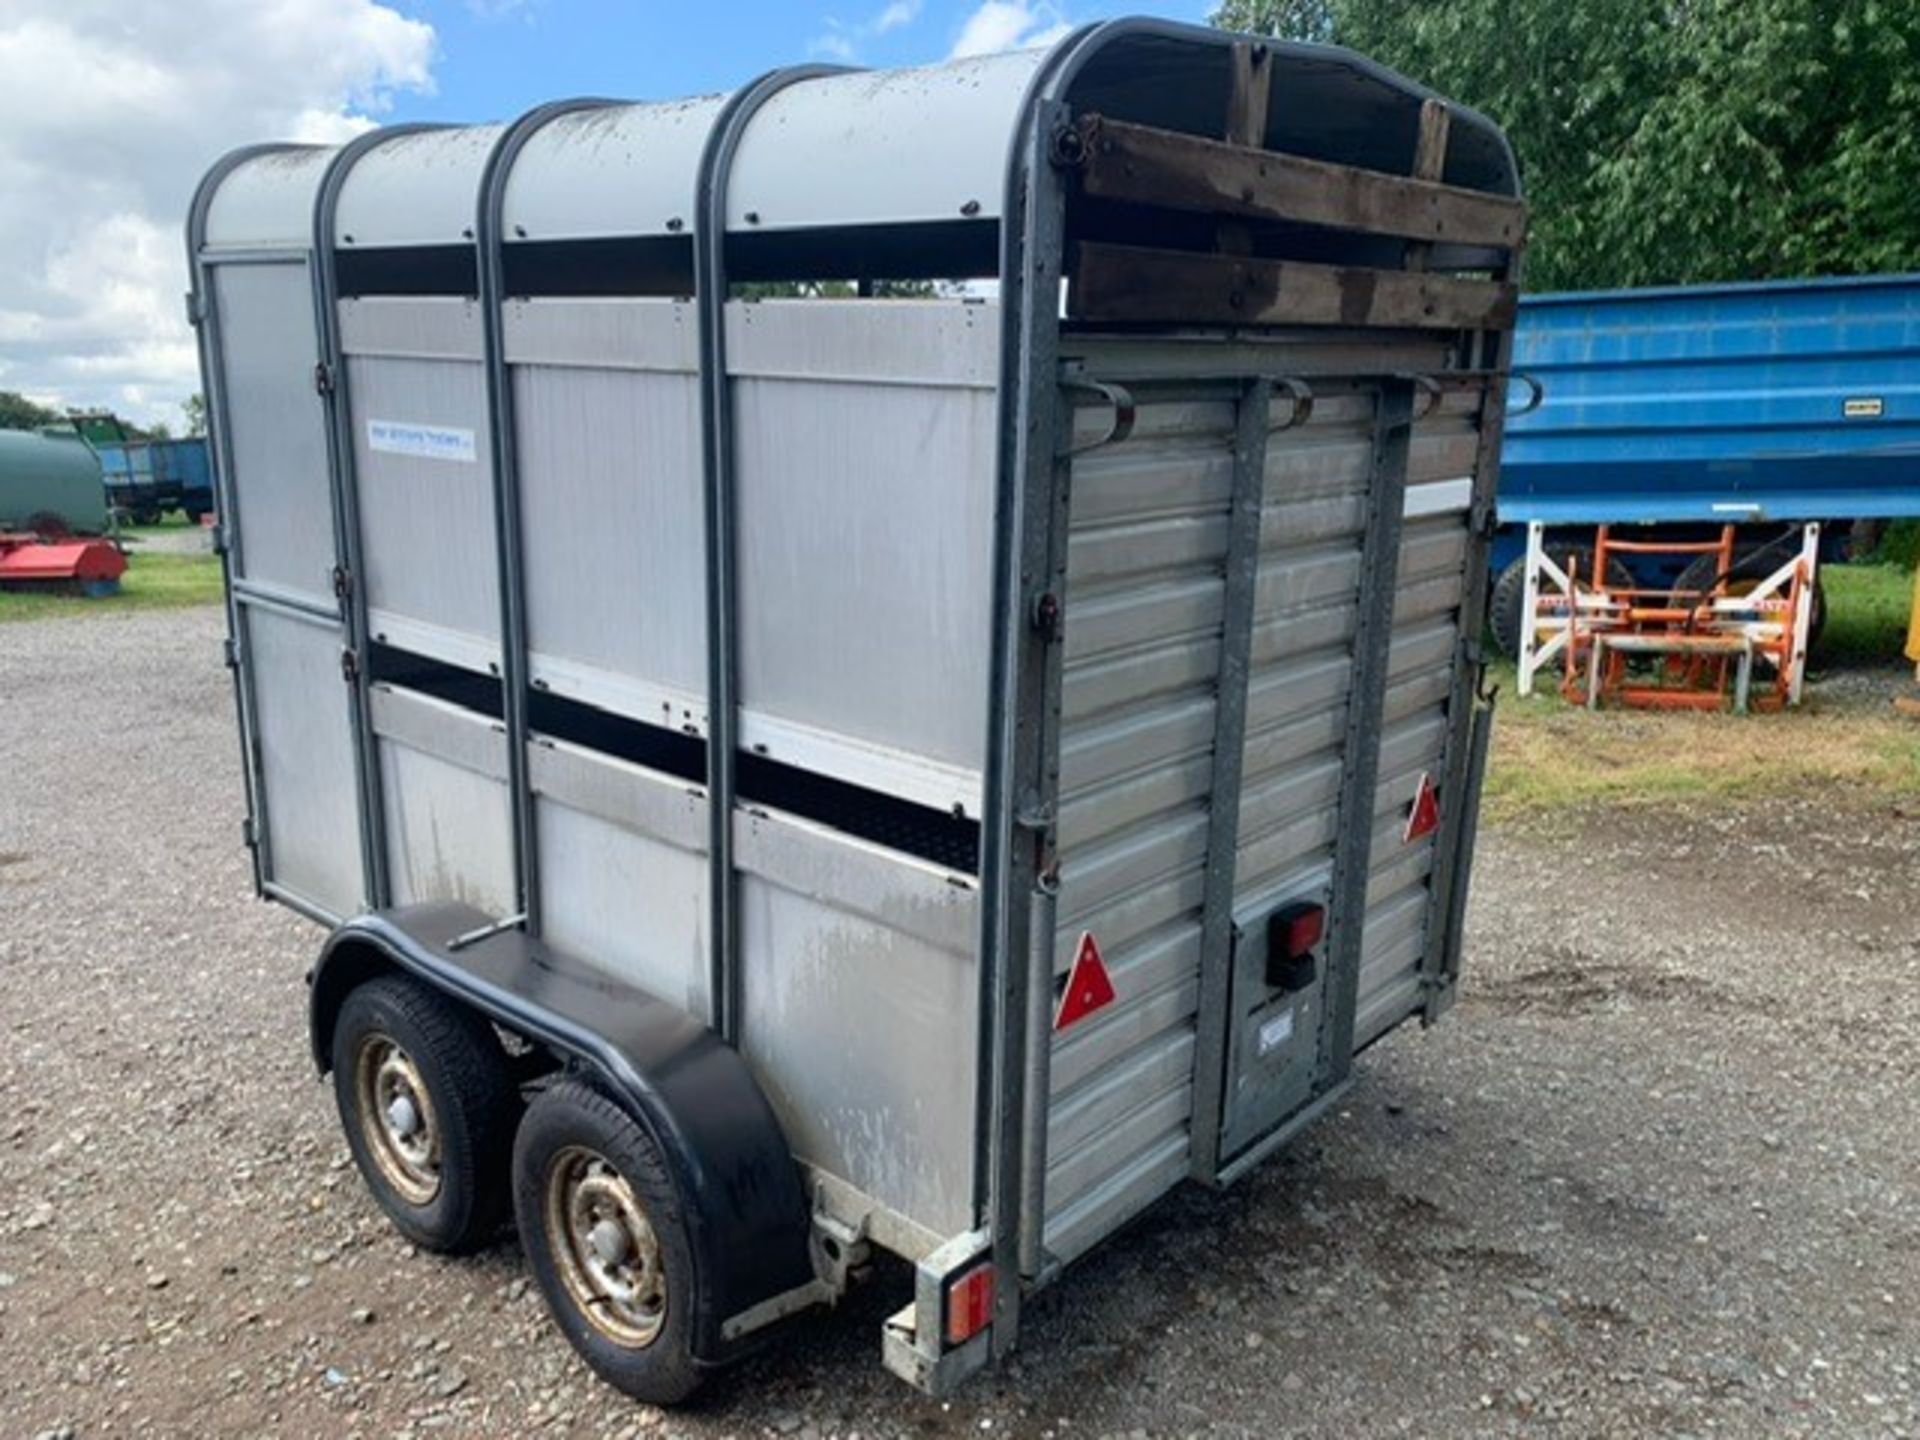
1751,565
429,1106
604,1229
1510,593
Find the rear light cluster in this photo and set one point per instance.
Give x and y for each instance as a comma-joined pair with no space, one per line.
1292,936
969,1303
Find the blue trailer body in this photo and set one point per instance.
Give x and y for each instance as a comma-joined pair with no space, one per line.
148,476
1757,404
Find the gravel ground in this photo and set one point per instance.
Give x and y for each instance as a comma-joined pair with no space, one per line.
1658,1174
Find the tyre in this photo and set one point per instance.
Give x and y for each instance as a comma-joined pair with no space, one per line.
1510,593
1751,565
604,1228
429,1108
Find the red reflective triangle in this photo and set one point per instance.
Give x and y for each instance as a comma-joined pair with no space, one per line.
1088,988
1424,817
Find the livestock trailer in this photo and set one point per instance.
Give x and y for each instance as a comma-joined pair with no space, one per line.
793,778
1680,410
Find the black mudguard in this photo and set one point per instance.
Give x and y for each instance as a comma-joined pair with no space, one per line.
744,1198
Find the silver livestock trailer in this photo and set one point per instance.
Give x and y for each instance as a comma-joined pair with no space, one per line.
887,661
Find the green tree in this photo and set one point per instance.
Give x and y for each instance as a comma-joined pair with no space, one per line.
19,413
1672,141
194,409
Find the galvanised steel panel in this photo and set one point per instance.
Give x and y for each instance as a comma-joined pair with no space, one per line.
866,444
636,905
858,1000
417,394
443,771
301,728
836,150
419,189
606,395
1413,745
1146,546
276,428
626,875
621,170
266,202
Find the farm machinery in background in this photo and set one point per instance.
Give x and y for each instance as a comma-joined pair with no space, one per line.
1687,460
147,476
55,523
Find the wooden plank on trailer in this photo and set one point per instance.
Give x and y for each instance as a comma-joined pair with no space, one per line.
1429,160
1151,166
1247,103
1124,283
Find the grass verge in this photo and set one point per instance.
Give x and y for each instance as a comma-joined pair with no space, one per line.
152,582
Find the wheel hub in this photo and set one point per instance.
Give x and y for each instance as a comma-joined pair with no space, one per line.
403,1117
397,1122
605,1248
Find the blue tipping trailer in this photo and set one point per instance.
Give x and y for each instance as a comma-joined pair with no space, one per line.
1764,405
145,477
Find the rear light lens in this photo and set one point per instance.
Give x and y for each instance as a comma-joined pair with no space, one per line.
1292,935
969,1303
1299,927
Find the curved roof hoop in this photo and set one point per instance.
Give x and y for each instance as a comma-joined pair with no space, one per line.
206,322
717,451
489,242
331,377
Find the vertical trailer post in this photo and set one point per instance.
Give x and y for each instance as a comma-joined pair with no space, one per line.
717,446
350,578
1470,712
490,256
1360,752
1017,832
1254,425
204,315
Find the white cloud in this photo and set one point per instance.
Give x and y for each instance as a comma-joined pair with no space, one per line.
1009,25
109,114
841,40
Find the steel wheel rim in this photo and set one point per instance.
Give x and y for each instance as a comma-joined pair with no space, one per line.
605,1248
397,1118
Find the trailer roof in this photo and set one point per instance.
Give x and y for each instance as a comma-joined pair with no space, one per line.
816,148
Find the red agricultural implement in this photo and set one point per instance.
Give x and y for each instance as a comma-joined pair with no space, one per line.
89,565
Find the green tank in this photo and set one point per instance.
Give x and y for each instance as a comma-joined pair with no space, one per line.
49,481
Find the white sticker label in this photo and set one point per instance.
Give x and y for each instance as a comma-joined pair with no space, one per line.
428,442
1864,407
1276,1032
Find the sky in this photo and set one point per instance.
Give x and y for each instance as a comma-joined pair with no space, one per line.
110,110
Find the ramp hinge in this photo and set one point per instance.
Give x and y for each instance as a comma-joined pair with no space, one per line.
249,836
350,666
323,378
219,539
196,312
1484,520
342,580
231,651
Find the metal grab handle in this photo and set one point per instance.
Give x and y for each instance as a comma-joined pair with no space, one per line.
1121,425
1429,387
1539,394
1301,394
